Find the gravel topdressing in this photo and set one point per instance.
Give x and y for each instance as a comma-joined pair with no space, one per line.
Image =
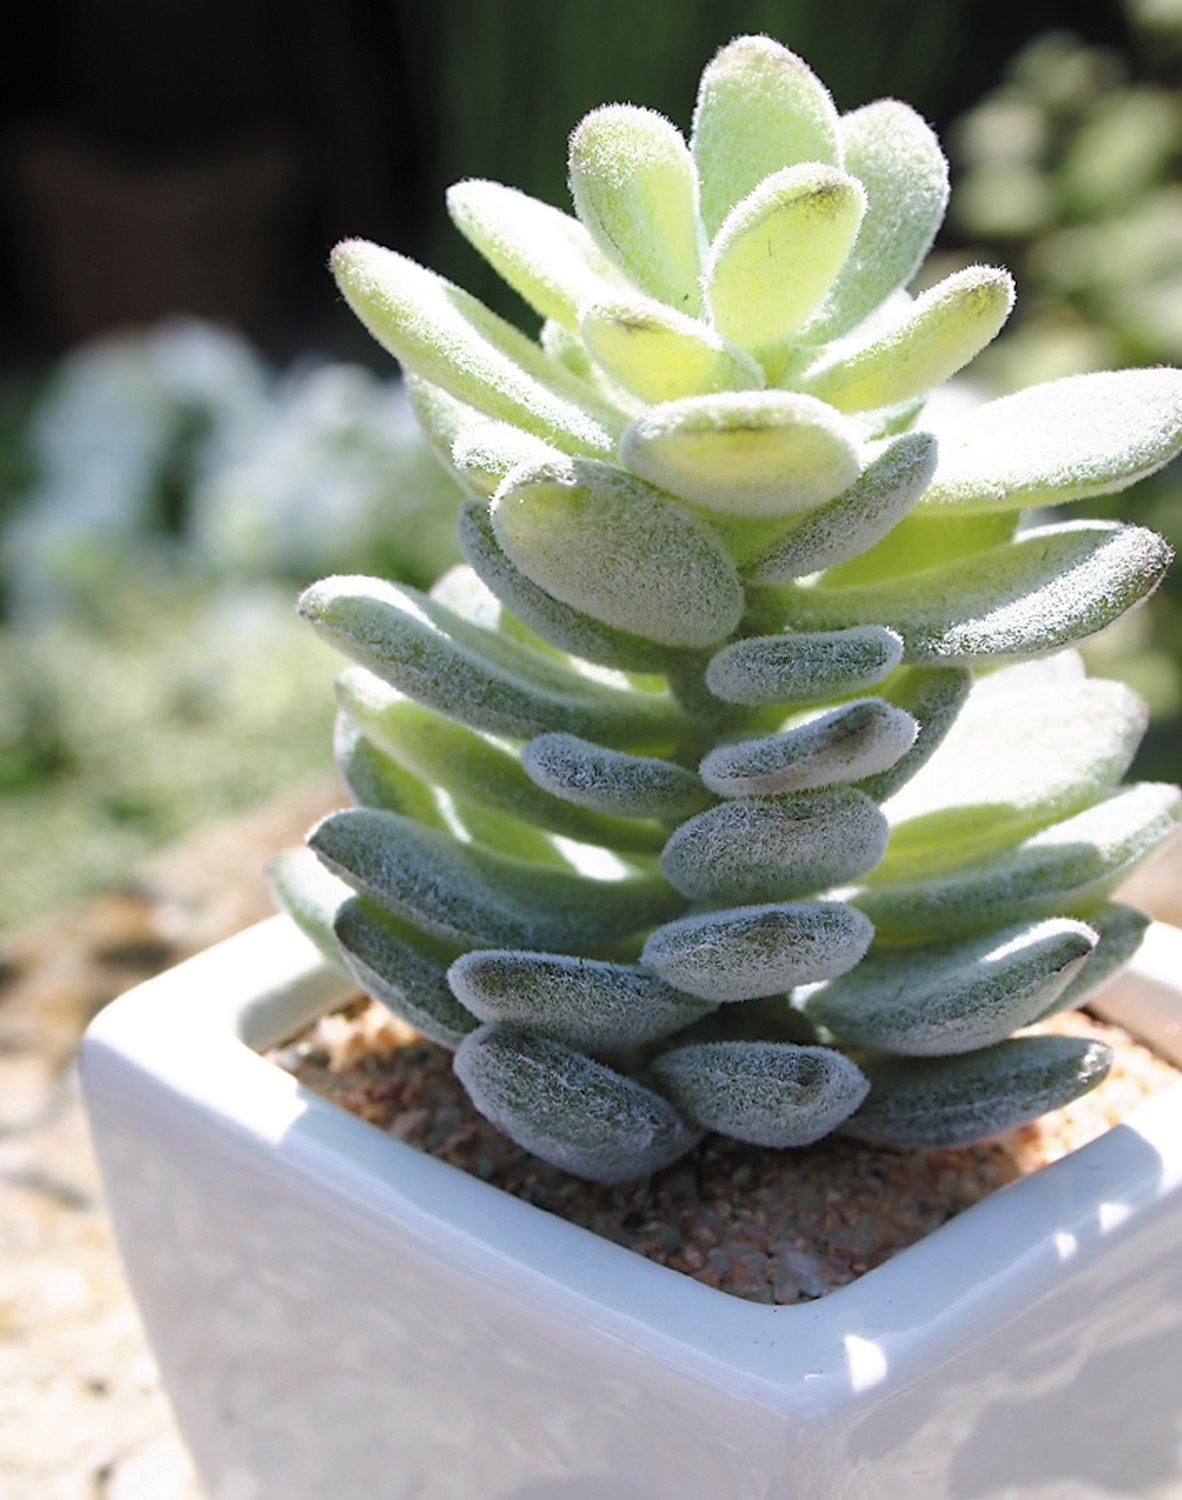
770,1226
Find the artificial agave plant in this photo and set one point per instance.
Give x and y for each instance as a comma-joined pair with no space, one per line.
745,778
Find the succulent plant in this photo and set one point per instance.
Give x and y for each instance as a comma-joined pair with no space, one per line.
744,779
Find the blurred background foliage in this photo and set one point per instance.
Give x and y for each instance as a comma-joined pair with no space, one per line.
166,483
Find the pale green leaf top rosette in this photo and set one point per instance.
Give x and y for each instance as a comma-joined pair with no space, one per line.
745,778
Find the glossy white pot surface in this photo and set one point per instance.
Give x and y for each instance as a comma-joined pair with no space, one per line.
337,1315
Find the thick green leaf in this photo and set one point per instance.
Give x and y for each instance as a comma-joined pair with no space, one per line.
860,516
1120,930
310,896
1051,587
618,550
485,452
453,341
586,1003
611,781
898,160
744,453
923,539
933,696
778,251
473,897
632,180
409,983
541,252
945,328
776,849
661,355
374,780
472,674
803,668
1069,439
1070,868
749,951
952,1101
954,997
468,765
1009,765
555,622
760,108
856,740
570,1110
768,1093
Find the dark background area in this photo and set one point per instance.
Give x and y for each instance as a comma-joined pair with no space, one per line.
161,155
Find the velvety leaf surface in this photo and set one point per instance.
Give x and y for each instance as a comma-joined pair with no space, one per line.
1068,439
633,183
612,781
589,1004
857,740
952,1101
1120,929
474,897
660,355
749,951
375,780
774,849
934,697
451,340
618,550
898,160
569,1109
803,667
760,108
953,997
767,1093
744,453
410,984
310,895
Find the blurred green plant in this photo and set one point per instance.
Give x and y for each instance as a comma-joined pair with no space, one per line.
1069,171
162,492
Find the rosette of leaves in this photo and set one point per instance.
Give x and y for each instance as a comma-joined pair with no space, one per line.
744,778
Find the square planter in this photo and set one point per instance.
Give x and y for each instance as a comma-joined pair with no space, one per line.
338,1315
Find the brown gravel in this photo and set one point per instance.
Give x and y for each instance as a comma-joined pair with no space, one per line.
769,1226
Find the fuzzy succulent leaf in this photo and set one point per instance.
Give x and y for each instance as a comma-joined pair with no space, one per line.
451,340
1119,930
311,896
774,849
759,108
375,780
566,628
768,1093
953,997
612,547
858,517
923,539
633,183
778,250
744,453
1051,587
587,1003
474,897
936,1103
1071,867
803,667
859,739
934,697
939,334
896,157
485,452
411,984
568,1108
468,765
469,673
746,952
1011,765
612,781
544,254
1069,439
658,354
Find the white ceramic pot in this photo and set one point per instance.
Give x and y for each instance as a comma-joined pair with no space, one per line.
339,1317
